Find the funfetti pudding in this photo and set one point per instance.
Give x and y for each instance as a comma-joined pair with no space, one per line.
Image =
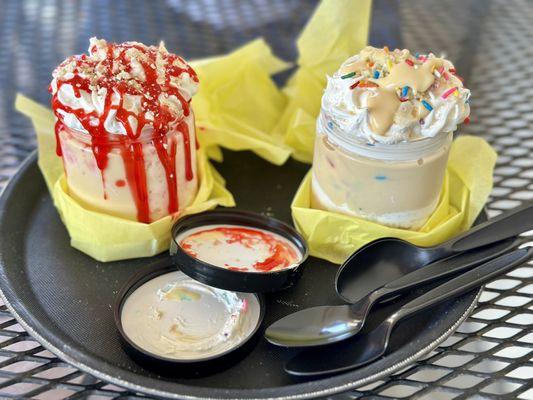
125,129
383,136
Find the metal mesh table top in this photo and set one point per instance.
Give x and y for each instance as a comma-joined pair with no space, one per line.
490,355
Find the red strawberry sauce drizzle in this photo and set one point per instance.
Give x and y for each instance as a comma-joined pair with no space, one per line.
131,149
281,255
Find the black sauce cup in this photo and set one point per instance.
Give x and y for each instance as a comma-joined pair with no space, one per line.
240,281
172,367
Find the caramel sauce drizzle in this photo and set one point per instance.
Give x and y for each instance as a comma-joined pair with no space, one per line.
383,104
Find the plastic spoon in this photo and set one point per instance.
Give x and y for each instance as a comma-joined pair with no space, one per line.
322,325
385,260
373,344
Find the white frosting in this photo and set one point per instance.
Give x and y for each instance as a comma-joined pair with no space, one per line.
338,101
95,99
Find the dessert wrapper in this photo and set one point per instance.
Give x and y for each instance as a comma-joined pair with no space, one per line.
104,237
467,185
337,30
238,104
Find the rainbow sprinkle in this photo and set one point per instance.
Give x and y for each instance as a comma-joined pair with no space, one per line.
348,75
410,63
376,74
427,105
405,90
466,121
448,92
368,84
353,86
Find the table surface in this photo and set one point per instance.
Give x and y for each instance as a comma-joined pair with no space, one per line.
490,355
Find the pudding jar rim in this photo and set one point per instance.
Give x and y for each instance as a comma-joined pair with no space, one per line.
115,139
402,151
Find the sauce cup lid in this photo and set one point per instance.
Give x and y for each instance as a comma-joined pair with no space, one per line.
238,250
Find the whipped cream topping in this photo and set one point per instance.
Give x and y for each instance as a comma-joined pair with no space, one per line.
393,96
128,88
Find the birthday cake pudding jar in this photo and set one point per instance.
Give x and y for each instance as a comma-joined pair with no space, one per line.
125,129
384,134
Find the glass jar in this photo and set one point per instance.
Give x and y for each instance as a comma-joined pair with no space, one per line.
141,179
397,185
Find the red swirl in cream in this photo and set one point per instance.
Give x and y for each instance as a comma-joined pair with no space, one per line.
240,248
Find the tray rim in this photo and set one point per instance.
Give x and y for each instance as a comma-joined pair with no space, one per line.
83,366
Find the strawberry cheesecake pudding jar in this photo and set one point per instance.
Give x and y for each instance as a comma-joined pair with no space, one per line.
125,129
383,136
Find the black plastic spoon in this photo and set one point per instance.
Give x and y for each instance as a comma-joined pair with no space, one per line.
371,345
387,259
322,325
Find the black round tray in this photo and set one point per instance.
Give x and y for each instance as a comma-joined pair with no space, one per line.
65,299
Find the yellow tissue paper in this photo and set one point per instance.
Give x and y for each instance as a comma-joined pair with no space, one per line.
337,30
238,104
104,237
467,185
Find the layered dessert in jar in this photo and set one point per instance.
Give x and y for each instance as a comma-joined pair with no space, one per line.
384,134
125,129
